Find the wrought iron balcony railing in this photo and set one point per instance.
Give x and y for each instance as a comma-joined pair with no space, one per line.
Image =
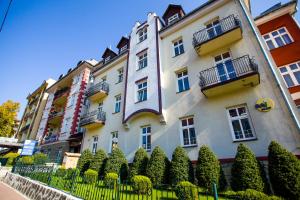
95,116
99,87
61,92
228,71
225,25
56,114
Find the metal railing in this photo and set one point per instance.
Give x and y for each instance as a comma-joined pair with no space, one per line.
92,117
239,67
56,114
25,127
61,92
52,138
93,89
226,24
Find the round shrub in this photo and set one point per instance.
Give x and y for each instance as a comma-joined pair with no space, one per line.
40,158
90,176
117,163
284,172
61,172
98,161
84,161
245,171
139,164
26,160
207,169
110,180
185,190
180,166
141,185
11,158
157,167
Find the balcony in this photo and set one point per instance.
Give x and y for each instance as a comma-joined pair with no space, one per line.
221,34
229,76
97,91
56,117
61,96
93,119
50,138
25,128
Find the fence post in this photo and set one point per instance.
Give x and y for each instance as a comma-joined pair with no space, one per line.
215,191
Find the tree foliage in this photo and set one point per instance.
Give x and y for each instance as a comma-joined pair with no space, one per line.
8,114
117,163
98,162
84,161
139,164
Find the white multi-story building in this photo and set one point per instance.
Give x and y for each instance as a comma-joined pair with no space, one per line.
201,78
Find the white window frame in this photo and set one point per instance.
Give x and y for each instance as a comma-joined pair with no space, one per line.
145,135
107,59
173,18
177,44
95,144
142,34
120,75
118,99
142,90
113,139
290,72
142,60
182,78
123,48
239,118
272,38
188,127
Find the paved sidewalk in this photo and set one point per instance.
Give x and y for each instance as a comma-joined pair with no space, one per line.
8,193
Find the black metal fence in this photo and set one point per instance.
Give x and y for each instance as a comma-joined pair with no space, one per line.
235,69
224,25
93,89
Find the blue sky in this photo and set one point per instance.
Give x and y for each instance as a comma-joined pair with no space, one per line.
44,38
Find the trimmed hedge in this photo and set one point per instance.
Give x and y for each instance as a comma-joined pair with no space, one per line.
141,185
248,194
207,169
139,164
40,158
98,162
84,161
26,160
117,163
61,172
185,190
71,173
158,167
11,158
180,166
110,180
90,176
284,172
245,171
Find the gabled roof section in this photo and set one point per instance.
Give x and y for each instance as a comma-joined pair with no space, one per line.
122,42
109,52
170,8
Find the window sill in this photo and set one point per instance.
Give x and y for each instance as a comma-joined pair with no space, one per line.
140,101
139,69
182,91
245,140
189,146
178,55
115,112
119,82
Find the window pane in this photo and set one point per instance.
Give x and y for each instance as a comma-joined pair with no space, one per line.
237,129
149,129
275,33
180,85
247,128
191,121
283,69
186,83
270,44
185,137
233,113
266,37
297,76
288,80
242,111
184,122
192,136
287,39
293,67
282,30
279,41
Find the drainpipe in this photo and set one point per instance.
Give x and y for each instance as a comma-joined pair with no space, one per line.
272,67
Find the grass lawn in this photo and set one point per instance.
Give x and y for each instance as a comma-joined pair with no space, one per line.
99,191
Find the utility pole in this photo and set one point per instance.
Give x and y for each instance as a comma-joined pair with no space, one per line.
6,12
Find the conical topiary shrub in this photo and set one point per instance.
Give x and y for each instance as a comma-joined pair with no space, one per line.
157,167
245,171
117,163
180,166
98,162
139,164
84,161
284,171
207,169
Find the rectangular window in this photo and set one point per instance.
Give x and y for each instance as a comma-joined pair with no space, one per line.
277,38
107,59
224,67
214,29
95,144
142,34
142,60
117,103
183,81
120,75
240,124
146,137
291,74
188,131
178,47
173,18
114,140
123,48
142,91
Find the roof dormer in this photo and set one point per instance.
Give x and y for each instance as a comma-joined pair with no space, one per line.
108,55
173,14
123,44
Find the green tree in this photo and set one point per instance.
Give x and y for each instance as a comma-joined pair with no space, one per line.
84,161
8,114
207,169
139,164
157,167
98,162
180,166
284,171
245,171
117,163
